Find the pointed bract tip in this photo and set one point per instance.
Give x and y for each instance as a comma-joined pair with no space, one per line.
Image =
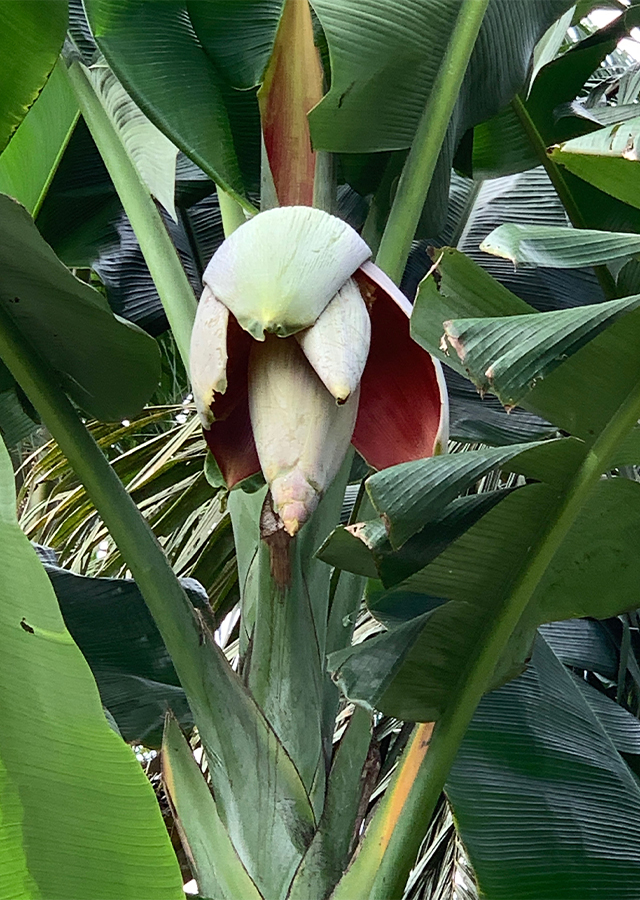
293,515
337,344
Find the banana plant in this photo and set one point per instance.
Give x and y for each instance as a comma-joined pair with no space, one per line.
306,381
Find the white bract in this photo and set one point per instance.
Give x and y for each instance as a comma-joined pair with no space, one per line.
279,271
288,272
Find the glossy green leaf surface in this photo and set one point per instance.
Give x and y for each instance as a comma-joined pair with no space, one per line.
42,139
15,423
562,248
588,576
596,540
412,669
384,64
544,803
463,289
483,420
525,349
370,674
218,869
31,36
238,36
604,370
583,643
79,213
622,727
237,739
196,120
528,198
70,829
501,146
365,548
83,221
110,368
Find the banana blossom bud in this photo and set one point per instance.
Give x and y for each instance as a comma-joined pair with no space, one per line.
301,346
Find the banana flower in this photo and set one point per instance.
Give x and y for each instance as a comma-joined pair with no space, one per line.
300,347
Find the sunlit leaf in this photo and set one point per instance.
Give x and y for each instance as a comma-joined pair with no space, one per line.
31,36
41,138
70,828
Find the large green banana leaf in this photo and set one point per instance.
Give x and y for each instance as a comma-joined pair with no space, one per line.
385,70
411,670
82,219
143,39
501,145
16,422
544,803
79,818
110,623
402,42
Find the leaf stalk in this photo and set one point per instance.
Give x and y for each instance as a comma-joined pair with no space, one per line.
421,162
231,212
159,252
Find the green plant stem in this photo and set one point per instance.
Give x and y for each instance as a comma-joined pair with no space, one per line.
381,202
393,839
557,179
160,255
420,165
163,593
231,212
